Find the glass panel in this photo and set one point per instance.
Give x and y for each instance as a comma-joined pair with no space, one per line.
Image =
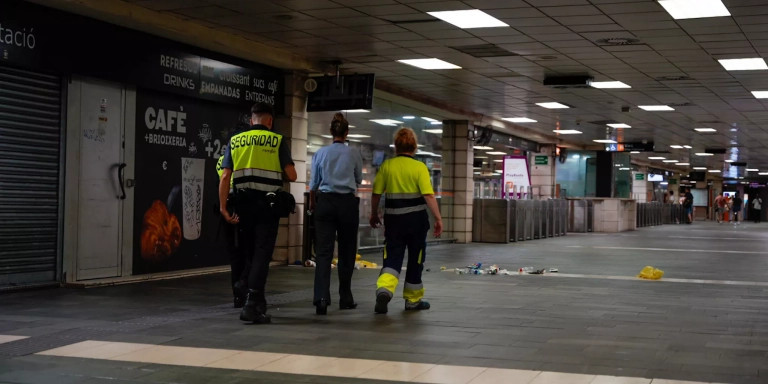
577,174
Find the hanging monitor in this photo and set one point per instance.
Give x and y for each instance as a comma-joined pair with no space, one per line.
343,92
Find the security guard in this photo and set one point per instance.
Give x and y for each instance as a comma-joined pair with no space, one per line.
256,161
408,187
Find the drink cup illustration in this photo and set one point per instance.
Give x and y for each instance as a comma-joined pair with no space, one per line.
192,176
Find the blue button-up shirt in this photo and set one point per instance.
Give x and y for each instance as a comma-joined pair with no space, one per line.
336,168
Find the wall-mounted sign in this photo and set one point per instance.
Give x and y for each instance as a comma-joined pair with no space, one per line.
515,175
541,160
639,176
630,146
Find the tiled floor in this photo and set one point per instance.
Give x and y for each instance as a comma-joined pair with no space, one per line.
594,322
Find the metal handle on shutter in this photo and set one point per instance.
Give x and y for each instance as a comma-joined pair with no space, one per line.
120,175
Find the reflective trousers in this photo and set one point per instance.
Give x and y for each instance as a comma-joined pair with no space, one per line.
404,232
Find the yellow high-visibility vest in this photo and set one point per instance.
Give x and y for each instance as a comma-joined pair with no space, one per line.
256,160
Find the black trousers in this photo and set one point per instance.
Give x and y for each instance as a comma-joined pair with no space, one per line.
258,234
336,219
239,261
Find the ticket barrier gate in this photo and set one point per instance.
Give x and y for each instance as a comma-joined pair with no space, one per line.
490,222
581,216
652,214
501,221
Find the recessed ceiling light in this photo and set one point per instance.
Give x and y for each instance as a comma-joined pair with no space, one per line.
498,171
356,136
683,164
430,64
519,120
435,131
552,105
620,125
687,146
567,131
605,141
714,171
498,161
634,152
482,147
729,161
694,9
670,161
609,84
752,170
654,108
481,157
471,18
327,136
656,158
676,146
700,168
409,117
355,110
705,130
352,126
355,140
387,122
760,94
435,123
704,154
496,153
751,64
431,120
763,173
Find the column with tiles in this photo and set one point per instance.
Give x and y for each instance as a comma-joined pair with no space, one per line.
543,175
457,183
293,125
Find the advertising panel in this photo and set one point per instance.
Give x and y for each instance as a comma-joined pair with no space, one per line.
176,220
515,174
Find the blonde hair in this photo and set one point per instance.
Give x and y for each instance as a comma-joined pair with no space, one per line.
405,141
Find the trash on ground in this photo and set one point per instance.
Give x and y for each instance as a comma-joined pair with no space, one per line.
476,269
651,273
442,268
365,264
309,263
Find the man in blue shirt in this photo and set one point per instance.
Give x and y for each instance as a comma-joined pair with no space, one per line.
336,171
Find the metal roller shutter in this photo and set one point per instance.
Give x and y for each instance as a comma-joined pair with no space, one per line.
30,140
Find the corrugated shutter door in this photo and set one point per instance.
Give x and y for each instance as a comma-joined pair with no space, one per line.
30,135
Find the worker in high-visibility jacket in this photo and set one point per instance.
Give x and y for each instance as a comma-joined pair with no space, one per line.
257,161
407,187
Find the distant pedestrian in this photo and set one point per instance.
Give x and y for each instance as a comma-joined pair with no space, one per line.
757,206
688,205
736,206
720,204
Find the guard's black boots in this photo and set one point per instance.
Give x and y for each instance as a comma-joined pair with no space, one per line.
321,308
239,291
254,311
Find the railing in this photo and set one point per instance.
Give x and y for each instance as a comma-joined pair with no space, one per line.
502,221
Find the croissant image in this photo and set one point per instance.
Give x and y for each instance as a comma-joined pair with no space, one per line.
160,233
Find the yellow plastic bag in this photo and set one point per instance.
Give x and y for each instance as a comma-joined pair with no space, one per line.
651,273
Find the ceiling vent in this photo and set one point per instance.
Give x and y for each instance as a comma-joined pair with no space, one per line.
561,82
674,78
716,151
682,104
738,164
618,41
485,50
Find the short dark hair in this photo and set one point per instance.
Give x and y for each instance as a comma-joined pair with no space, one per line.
262,108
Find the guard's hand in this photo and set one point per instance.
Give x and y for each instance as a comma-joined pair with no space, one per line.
438,228
375,221
232,219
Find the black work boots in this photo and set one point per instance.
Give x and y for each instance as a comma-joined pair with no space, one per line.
255,309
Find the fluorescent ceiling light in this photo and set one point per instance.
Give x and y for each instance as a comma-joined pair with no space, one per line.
623,169
519,120
670,161
436,123
481,157
705,130
656,158
714,171
729,161
356,136
430,64
355,110
763,173
387,122
683,164
409,117
619,125
482,147
496,153
552,105
431,120
498,161
567,131
752,64
471,18
355,140
653,108
760,94
476,173
664,183
634,151
676,146
435,131
694,9
752,170
498,171
687,146
608,84
605,141
352,126
327,136
700,168
704,154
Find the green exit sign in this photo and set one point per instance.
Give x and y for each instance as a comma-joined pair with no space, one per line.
639,176
541,160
